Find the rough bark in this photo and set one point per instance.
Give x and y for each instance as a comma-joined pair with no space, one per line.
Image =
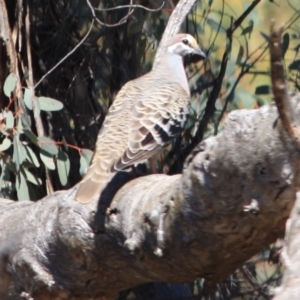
231,201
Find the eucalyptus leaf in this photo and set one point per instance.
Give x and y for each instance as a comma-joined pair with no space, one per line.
31,157
21,187
16,158
248,29
295,65
262,90
22,152
265,36
36,108
214,22
63,167
33,179
246,99
9,121
83,165
10,84
49,104
88,155
240,55
285,44
28,97
48,145
25,118
32,137
6,143
47,160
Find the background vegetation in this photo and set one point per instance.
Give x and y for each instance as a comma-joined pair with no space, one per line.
64,53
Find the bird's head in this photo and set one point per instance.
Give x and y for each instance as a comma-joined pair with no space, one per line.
184,44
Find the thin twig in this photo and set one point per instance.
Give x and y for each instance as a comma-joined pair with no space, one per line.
279,86
244,15
38,120
210,105
132,6
66,56
5,34
245,70
122,21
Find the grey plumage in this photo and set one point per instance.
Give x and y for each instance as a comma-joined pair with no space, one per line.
146,115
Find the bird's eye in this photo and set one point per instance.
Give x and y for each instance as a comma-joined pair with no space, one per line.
185,41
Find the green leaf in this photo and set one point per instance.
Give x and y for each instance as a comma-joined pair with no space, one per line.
83,165
245,99
265,36
9,121
19,153
88,155
10,84
21,187
31,157
85,160
248,29
36,108
63,167
47,160
6,143
48,145
33,179
295,65
49,104
32,137
262,90
240,55
285,44
16,159
260,101
28,97
214,22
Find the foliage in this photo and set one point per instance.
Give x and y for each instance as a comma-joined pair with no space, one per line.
79,91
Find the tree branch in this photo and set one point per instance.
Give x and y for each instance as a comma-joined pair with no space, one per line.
286,112
159,227
173,26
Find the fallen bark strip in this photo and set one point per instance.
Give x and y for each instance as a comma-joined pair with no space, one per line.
231,201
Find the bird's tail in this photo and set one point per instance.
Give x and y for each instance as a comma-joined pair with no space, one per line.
91,186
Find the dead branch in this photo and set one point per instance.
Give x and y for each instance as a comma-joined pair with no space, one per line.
279,87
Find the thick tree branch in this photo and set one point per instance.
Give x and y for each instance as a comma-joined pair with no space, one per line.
231,201
178,15
286,113
6,36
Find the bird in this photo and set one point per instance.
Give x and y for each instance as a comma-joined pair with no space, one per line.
146,115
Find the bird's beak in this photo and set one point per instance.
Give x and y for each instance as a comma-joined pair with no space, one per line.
197,51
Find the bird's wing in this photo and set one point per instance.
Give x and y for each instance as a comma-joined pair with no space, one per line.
156,119
144,117
111,143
